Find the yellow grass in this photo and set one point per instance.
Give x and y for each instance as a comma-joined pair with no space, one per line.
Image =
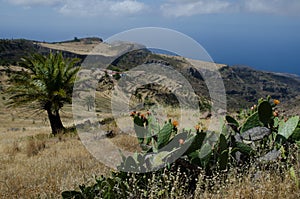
267,185
34,164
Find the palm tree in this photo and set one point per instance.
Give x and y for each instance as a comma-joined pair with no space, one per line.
45,82
89,101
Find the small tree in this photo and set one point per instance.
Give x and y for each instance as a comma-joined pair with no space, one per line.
46,82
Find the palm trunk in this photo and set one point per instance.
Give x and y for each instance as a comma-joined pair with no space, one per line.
55,122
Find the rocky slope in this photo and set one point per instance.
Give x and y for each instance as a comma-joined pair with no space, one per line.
243,85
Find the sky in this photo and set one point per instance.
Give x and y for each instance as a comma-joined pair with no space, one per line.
263,34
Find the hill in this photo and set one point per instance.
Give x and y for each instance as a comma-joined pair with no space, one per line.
11,51
244,85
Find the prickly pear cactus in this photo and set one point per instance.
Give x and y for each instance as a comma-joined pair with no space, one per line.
139,127
223,153
243,148
196,142
262,117
204,154
231,121
251,122
164,135
150,135
265,112
287,129
296,134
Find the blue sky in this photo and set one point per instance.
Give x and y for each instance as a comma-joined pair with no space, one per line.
263,34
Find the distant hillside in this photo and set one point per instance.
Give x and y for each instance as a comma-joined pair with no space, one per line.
244,85
250,85
12,50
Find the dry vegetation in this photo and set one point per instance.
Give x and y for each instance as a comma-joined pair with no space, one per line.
76,47
34,164
86,47
267,185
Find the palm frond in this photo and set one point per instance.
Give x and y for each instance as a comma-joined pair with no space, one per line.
45,81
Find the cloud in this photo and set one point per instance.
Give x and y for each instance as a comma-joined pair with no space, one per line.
127,7
273,6
84,7
182,8
178,8
87,7
34,2
102,7
170,8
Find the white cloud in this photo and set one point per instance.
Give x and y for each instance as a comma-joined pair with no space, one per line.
273,6
257,6
34,2
127,7
84,8
88,7
173,8
178,8
101,7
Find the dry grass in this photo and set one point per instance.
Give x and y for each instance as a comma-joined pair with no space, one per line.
13,149
127,143
34,164
34,146
268,185
83,48
46,167
76,47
